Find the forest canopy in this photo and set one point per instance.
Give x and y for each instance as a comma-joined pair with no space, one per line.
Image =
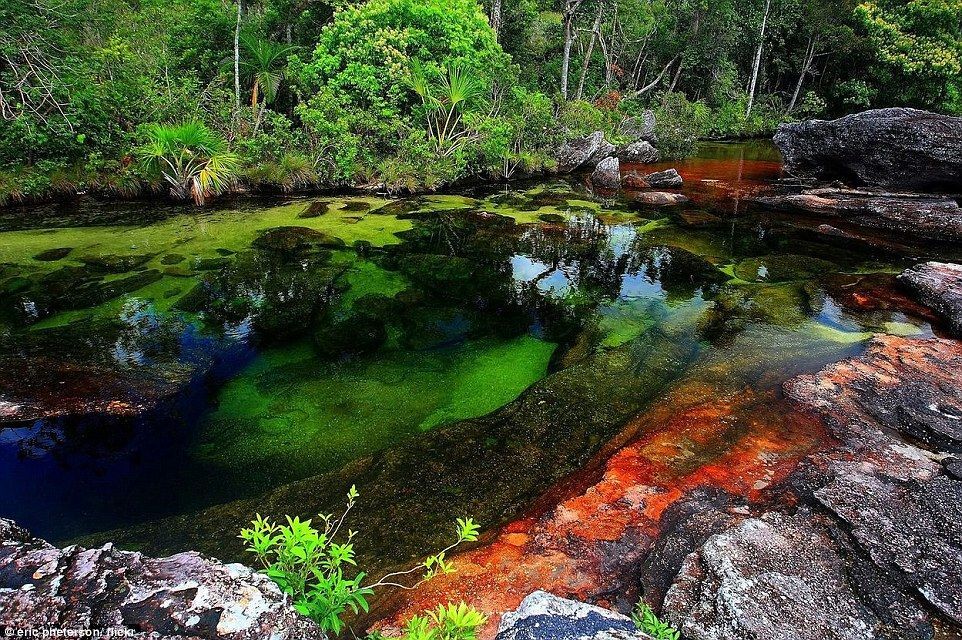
419,93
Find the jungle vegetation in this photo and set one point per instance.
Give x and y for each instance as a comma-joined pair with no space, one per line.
192,97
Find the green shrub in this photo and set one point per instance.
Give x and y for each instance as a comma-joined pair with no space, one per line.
319,572
680,124
647,622
451,622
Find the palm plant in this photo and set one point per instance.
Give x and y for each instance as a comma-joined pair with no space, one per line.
445,97
263,64
194,160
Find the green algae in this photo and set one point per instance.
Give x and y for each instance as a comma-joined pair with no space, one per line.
289,414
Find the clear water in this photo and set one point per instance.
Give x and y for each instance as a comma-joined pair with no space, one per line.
167,372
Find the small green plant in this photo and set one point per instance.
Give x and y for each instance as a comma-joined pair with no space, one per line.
647,622
451,622
319,572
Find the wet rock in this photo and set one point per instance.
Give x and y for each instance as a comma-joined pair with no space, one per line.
52,255
656,198
640,128
584,152
781,576
292,240
543,616
919,216
634,180
901,508
937,285
606,175
132,595
640,152
891,148
667,179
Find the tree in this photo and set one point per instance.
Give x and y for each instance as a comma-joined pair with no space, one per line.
756,64
919,44
568,17
263,64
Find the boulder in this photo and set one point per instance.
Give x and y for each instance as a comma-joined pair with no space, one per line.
930,218
937,285
891,148
639,128
543,616
640,152
130,595
584,152
607,174
667,179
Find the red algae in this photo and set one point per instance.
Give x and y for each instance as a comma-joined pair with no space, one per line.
586,546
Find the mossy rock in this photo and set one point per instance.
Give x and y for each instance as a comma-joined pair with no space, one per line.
314,210
553,218
52,255
376,305
356,205
399,208
111,263
14,285
782,268
210,264
172,258
356,334
295,240
225,252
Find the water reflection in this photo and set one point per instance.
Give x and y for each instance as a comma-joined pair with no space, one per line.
289,348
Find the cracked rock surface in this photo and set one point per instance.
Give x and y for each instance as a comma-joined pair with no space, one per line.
181,596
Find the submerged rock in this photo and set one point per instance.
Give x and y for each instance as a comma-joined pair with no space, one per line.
891,148
938,285
295,240
52,255
920,216
135,596
543,616
656,198
584,152
607,175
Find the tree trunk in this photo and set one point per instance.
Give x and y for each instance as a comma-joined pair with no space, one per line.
674,81
809,56
237,99
496,18
571,6
654,83
758,60
595,32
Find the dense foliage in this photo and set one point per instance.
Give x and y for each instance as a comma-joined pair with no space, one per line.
332,92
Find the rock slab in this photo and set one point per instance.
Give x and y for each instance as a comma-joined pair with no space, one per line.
132,595
891,148
543,616
937,285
